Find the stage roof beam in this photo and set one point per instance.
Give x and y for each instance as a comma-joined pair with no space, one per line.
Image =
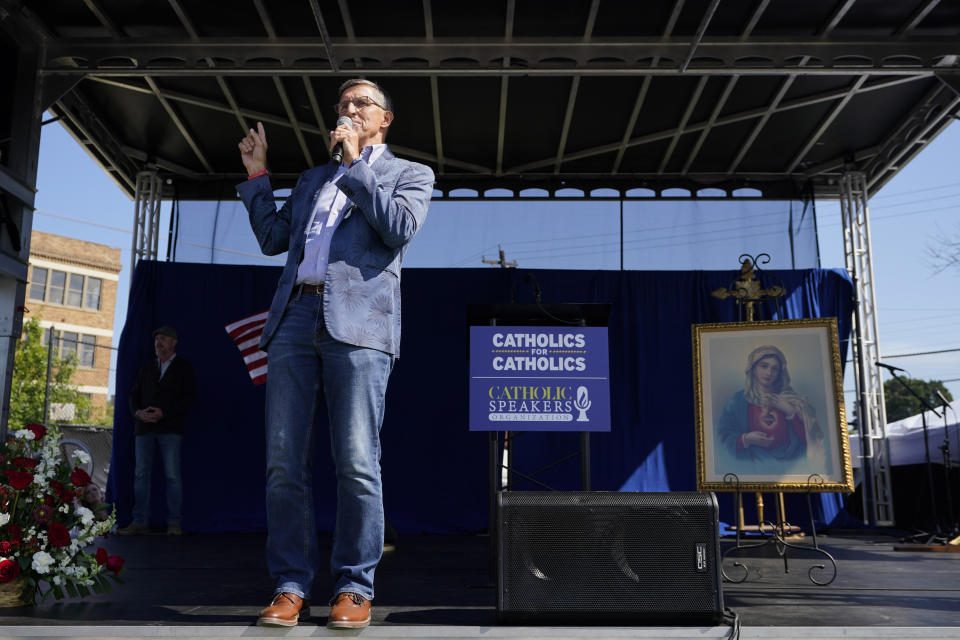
504,86
920,117
574,90
324,36
730,119
163,163
825,124
718,107
701,30
917,18
727,90
754,19
835,18
221,81
103,18
179,123
292,118
434,90
539,55
691,105
644,90
77,109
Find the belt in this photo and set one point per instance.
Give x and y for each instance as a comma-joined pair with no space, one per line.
305,289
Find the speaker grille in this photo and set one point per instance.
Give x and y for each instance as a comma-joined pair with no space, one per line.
648,556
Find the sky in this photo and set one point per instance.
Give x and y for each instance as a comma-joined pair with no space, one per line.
917,305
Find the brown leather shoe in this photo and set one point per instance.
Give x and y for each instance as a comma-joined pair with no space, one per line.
284,611
350,610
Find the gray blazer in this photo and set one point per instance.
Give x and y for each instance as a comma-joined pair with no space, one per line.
361,299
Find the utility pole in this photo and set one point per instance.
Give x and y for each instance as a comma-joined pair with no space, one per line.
502,261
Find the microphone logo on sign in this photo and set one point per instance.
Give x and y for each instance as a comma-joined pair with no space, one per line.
582,404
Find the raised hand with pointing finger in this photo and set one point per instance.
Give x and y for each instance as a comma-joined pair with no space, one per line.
253,150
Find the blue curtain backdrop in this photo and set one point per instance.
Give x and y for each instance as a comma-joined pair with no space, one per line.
435,470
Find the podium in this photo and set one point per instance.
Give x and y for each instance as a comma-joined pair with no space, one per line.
537,367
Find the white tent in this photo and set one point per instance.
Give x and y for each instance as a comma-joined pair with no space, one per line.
906,440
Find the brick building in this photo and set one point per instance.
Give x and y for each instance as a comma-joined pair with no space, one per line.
73,288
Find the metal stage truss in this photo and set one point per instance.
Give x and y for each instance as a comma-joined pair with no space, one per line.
871,411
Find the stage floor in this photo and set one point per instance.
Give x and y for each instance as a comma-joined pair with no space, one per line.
437,586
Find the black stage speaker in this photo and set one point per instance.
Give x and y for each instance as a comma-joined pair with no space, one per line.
608,557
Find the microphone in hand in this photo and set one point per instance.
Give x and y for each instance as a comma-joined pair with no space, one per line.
337,155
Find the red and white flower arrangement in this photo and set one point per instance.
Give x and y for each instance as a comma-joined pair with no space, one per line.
50,515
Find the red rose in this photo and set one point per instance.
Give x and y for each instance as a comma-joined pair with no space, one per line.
115,564
26,463
19,480
5,548
101,556
58,535
62,493
15,532
9,570
79,477
38,430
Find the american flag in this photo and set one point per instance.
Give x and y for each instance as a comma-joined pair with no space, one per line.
246,334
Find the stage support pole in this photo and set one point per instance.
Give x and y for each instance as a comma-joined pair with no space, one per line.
871,414
21,116
146,218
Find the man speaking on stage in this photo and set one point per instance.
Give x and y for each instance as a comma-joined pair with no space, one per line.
333,333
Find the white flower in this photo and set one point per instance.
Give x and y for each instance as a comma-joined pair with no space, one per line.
58,580
4,518
86,516
81,456
24,434
41,562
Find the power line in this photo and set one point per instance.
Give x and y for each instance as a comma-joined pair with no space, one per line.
81,221
923,189
698,224
921,353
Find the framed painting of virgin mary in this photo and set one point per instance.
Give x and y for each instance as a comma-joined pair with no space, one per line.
769,403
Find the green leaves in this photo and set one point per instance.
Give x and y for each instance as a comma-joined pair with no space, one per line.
28,384
900,403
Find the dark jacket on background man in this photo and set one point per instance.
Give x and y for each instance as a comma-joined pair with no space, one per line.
173,394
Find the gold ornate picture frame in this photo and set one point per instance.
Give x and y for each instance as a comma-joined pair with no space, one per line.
769,404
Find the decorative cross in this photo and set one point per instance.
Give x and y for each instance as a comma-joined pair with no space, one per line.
747,289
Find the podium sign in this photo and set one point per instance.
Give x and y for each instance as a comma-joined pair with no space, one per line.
537,378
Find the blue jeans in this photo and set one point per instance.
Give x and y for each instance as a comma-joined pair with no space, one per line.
146,445
306,365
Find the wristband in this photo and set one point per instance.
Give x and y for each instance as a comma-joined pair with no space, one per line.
257,174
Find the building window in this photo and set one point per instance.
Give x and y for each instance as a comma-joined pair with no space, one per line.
75,290
70,289
68,344
88,347
38,284
58,282
91,299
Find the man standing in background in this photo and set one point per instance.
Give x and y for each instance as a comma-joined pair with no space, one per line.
165,389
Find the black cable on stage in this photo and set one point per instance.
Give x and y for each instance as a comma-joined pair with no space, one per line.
732,618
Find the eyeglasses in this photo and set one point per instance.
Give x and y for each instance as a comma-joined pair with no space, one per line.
360,102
